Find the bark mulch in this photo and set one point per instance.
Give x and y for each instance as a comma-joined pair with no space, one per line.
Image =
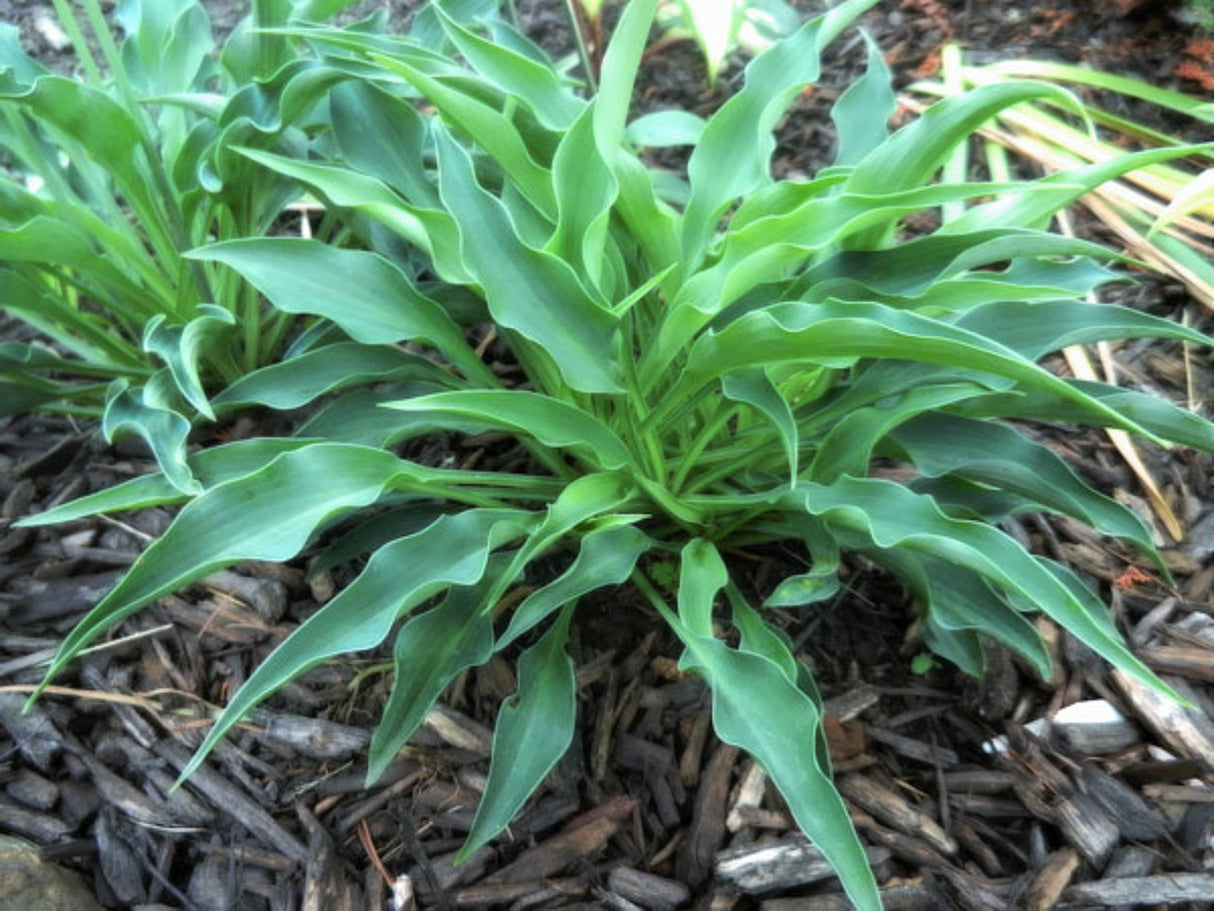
1083,791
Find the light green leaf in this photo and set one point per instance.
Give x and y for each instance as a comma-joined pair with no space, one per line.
297,381
181,348
268,514
606,556
166,43
553,422
141,412
369,297
702,574
662,129
527,290
534,729
454,550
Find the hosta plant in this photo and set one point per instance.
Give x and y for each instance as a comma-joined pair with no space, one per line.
696,369
108,180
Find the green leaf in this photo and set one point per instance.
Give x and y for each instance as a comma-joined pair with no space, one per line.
848,447
431,230
755,388
366,295
527,290
431,650
914,153
268,514
862,113
552,422
732,157
181,348
822,580
454,550
606,556
297,381
493,130
145,414
756,707
1034,329
789,332
210,467
534,729
702,574
662,129
890,517
999,456
548,96
166,43
382,136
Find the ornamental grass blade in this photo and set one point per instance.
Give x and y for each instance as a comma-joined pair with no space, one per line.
534,730
268,514
453,551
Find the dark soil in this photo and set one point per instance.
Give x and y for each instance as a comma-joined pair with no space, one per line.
965,801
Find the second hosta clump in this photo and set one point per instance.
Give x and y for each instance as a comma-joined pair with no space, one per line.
703,366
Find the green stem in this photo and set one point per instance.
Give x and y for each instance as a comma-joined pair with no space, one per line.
690,458
71,25
168,223
576,21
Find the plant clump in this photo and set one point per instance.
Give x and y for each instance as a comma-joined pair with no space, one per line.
705,365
